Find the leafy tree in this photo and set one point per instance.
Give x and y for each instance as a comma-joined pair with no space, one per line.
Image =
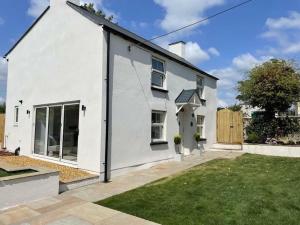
235,108
273,86
90,7
2,108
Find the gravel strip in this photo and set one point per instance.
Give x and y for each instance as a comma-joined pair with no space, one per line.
66,174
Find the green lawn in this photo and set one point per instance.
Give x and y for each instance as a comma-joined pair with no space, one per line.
4,173
251,190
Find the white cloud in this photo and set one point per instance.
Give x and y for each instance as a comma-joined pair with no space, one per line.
37,7
285,31
180,13
195,54
2,21
213,51
222,103
290,22
229,76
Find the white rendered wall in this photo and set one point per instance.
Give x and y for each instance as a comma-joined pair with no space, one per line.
133,100
60,60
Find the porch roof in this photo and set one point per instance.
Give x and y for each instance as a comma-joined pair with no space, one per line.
186,95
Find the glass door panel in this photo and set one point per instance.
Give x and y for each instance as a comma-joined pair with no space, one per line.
70,132
40,131
54,131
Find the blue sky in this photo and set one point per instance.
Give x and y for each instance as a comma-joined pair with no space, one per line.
226,46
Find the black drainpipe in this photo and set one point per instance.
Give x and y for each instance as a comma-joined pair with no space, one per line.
106,179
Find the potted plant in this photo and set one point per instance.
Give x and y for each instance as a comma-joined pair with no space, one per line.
177,142
197,138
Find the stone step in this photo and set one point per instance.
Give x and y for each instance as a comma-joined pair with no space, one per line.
236,147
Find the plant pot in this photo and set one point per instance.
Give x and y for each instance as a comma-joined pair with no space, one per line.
178,149
179,157
200,147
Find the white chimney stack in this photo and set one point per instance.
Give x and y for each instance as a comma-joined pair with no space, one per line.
63,2
178,48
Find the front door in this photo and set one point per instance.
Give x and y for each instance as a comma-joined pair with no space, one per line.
56,131
187,129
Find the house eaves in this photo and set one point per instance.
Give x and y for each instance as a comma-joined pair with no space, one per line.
114,28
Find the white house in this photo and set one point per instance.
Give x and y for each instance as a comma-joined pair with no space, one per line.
85,92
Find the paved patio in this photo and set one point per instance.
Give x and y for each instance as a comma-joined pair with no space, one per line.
75,207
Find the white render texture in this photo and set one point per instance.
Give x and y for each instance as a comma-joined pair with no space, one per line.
272,150
133,100
63,59
58,62
17,190
178,48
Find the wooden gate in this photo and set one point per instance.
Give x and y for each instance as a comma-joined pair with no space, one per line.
229,127
2,125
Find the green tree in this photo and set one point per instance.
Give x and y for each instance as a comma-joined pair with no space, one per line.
2,108
273,86
235,108
90,7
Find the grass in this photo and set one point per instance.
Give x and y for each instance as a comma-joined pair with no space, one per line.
251,190
4,173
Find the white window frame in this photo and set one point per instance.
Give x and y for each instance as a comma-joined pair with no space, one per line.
163,74
16,115
201,125
200,88
162,125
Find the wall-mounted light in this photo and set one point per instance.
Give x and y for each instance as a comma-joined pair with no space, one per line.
129,48
83,108
28,112
21,102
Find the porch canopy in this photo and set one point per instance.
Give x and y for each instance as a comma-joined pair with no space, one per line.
188,97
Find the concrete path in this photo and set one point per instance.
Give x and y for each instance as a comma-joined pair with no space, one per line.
75,207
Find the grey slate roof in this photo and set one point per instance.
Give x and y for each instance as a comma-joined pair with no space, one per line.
186,95
124,33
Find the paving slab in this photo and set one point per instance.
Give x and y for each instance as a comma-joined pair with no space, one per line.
75,207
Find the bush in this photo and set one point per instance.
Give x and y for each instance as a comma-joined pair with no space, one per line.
262,127
197,137
177,140
253,138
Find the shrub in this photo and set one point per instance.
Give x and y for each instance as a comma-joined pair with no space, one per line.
265,127
177,140
253,138
197,137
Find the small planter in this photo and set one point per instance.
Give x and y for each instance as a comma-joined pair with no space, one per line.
179,157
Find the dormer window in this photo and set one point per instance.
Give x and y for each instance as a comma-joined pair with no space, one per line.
158,73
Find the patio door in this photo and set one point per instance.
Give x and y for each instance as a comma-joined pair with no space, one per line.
56,131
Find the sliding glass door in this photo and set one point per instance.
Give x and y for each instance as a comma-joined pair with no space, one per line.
56,131
40,130
70,137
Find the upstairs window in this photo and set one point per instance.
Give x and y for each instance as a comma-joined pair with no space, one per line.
158,126
16,115
158,73
200,125
200,86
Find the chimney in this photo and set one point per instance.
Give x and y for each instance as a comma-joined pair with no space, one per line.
178,48
63,2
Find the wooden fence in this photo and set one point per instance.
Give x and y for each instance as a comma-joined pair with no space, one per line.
2,125
229,127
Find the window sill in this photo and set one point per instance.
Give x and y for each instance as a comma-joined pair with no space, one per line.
158,143
203,139
154,88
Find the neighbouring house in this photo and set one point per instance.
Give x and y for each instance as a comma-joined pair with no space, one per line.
85,92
